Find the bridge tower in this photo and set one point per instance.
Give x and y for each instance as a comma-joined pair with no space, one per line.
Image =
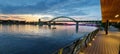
49,24
40,23
77,26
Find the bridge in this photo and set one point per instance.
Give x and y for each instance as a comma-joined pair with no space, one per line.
72,20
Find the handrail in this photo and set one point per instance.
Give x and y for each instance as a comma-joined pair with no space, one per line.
78,44
119,49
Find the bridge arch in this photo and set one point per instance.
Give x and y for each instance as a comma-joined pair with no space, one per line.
52,20
62,17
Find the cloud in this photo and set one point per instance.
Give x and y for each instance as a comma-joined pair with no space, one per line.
4,16
18,2
51,7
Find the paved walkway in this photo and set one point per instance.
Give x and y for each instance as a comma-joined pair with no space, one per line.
105,44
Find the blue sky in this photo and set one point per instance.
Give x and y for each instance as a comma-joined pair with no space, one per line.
86,9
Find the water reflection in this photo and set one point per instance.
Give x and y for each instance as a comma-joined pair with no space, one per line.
34,39
36,30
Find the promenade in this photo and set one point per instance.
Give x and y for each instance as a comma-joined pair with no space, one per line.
105,44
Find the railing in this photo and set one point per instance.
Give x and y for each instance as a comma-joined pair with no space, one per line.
119,49
78,45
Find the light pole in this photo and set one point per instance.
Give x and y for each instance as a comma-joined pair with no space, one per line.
106,27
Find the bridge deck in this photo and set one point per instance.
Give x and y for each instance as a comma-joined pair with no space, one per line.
105,44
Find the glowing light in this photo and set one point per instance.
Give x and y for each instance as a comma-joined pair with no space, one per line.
90,44
81,53
93,39
110,20
116,16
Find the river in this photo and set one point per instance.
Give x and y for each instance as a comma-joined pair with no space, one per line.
35,39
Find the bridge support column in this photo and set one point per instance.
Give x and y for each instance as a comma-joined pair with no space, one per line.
49,25
77,27
54,23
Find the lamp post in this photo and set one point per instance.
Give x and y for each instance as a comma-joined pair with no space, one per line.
106,27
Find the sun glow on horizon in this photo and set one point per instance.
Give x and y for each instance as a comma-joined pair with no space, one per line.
25,17
36,17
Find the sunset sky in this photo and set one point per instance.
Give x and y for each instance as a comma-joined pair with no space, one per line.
32,10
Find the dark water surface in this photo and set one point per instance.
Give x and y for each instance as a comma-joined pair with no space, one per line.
34,39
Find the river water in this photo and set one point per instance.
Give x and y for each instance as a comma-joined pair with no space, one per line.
34,39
